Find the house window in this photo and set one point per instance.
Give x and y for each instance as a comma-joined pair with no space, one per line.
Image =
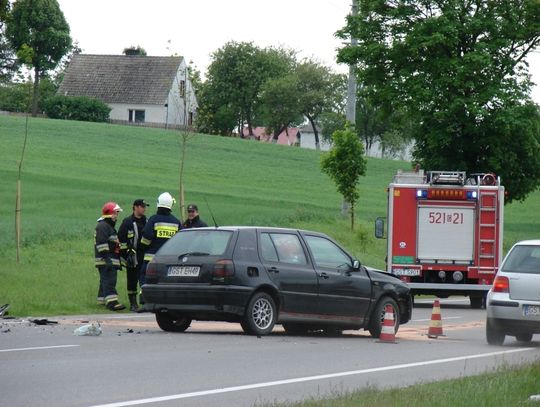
182,88
136,116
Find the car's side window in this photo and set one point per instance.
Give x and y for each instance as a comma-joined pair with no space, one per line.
268,250
289,249
326,253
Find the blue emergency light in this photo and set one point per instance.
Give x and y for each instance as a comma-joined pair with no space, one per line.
472,195
421,194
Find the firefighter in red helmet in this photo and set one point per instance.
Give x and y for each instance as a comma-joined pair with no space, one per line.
107,253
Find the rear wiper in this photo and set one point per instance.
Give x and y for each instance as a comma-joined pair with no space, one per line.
193,254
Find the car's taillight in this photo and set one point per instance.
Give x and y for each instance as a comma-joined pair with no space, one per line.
222,269
501,285
151,269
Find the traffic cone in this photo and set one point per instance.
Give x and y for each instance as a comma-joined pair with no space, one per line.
388,334
435,325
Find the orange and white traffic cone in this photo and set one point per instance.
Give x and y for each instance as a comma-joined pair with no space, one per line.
435,325
388,333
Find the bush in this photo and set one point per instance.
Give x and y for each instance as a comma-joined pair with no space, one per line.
77,108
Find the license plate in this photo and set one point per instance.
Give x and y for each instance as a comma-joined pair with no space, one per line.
531,310
406,272
183,271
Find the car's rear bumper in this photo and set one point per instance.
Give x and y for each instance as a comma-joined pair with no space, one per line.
204,302
508,314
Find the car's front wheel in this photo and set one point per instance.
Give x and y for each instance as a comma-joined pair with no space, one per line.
524,337
377,318
171,323
260,315
494,336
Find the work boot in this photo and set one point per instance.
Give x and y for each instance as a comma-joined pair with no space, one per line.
133,306
115,306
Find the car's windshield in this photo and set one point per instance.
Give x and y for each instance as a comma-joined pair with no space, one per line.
197,242
523,259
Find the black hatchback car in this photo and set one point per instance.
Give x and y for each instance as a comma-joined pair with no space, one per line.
261,276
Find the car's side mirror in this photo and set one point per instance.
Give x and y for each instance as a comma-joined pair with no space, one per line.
379,228
356,265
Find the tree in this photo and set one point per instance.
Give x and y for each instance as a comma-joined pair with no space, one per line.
280,104
234,80
39,33
345,163
134,50
8,60
455,68
319,90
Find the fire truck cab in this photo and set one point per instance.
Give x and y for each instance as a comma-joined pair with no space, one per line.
444,232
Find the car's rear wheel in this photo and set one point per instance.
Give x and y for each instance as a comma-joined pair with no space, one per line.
171,323
295,329
260,315
524,337
377,318
494,336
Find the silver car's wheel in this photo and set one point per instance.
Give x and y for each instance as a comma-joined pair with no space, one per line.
494,336
524,337
260,315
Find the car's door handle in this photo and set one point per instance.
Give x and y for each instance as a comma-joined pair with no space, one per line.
273,270
323,275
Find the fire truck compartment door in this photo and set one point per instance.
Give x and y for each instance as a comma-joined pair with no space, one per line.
445,233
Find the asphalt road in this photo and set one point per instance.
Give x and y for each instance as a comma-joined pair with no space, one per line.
213,364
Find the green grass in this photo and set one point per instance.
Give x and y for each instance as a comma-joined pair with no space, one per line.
72,168
507,386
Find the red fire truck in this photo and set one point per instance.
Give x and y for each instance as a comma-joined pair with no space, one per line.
445,232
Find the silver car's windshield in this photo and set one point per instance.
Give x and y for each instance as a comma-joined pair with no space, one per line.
523,259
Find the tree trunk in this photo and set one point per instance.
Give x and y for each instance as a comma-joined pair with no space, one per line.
275,137
316,133
352,216
36,92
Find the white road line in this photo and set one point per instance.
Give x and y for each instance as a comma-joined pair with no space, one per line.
38,348
305,379
429,319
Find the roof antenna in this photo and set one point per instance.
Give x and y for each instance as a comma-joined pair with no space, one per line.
211,214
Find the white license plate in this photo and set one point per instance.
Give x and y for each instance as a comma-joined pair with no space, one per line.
406,272
183,271
531,310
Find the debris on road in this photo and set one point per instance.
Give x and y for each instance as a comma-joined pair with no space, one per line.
93,329
43,321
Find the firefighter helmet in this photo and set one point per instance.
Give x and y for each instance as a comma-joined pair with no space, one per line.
165,200
109,209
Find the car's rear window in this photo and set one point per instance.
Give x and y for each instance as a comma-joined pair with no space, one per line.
523,259
201,242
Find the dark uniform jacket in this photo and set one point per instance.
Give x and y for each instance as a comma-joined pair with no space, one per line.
106,246
196,222
158,230
129,235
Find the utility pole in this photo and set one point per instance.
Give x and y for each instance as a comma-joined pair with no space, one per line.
351,99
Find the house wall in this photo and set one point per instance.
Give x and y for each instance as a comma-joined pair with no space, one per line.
152,114
307,140
179,107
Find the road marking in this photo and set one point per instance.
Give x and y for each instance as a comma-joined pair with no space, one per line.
38,348
305,379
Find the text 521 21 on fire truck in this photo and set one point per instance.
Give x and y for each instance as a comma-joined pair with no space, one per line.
445,232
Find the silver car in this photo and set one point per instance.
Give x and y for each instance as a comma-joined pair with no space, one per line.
513,303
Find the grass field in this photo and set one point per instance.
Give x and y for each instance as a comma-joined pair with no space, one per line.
72,168
507,386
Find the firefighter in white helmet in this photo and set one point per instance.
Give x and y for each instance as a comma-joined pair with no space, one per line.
159,228
107,254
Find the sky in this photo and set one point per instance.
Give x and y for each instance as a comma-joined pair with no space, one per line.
196,28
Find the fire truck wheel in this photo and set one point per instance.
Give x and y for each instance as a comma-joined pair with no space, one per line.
377,318
524,337
493,335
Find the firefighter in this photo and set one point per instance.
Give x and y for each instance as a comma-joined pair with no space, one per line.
131,253
158,230
193,220
107,254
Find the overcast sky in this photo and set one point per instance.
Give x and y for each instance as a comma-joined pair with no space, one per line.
196,28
